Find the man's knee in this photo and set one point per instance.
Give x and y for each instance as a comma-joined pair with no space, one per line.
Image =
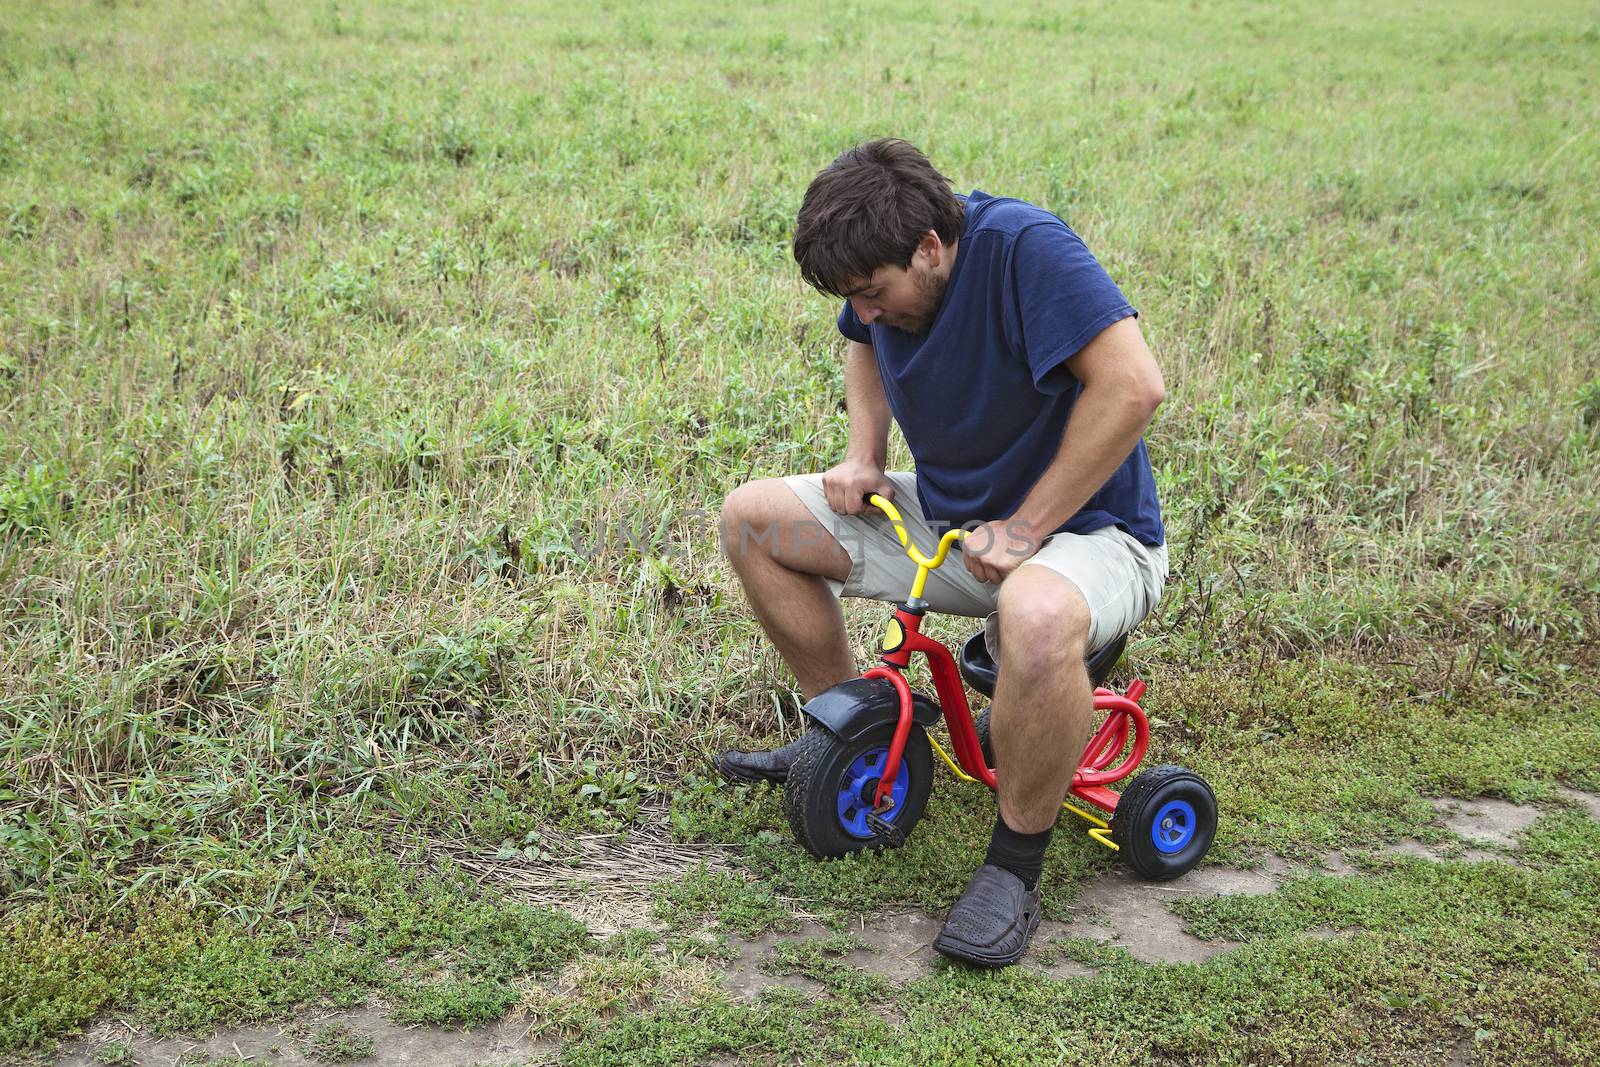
746,522
1043,616
767,519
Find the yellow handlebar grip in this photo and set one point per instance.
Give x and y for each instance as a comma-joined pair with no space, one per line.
883,504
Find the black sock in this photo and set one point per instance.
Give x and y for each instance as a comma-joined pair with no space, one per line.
1021,854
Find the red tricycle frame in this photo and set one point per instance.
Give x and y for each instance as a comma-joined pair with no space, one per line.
903,639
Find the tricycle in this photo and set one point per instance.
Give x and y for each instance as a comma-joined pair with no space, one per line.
863,772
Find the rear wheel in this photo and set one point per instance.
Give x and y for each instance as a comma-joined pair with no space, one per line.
832,782
1164,822
980,723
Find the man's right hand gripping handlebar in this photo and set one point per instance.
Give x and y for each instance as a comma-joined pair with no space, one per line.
848,484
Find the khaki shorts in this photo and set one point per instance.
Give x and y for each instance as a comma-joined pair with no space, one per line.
1121,578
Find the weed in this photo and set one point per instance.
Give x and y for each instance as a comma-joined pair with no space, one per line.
734,902
31,500
115,1054
1587,402
337,1043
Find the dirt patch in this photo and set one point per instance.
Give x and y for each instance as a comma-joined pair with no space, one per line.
1136,915
1117,907
1494,825
290,1045
744,977
1337,864
901,946
607,883
1060,970
1486,820
1417,850
1413,848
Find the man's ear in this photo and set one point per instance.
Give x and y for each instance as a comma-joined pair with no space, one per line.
931,248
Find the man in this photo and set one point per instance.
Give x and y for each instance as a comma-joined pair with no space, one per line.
1018,375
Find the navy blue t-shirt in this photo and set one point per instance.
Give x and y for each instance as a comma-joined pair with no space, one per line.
983,396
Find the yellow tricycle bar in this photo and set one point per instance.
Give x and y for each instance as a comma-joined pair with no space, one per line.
924,563
1100,830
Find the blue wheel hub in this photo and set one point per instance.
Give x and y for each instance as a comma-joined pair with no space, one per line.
857,786
1173,827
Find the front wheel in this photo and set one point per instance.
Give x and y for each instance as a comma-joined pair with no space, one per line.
1164,822
832,782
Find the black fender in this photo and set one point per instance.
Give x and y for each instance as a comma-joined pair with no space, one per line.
851,708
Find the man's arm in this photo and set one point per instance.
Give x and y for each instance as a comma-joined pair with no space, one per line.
868,449
1122,388
868,407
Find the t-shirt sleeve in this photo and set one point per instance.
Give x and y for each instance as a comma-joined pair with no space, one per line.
1060,299
853,327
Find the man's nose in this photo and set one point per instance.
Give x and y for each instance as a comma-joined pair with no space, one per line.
867,312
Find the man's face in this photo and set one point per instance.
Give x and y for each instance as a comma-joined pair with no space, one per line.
906,298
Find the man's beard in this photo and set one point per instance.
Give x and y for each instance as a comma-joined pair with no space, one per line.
930,289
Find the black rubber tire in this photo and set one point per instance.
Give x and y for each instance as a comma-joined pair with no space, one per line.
980,721
1146,795
810,795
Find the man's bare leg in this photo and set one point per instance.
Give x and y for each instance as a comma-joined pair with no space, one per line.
1039,723
781,553
1043,703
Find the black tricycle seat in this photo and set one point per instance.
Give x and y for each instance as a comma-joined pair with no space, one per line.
980,669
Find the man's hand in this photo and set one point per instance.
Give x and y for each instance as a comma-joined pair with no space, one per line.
995,549
850,481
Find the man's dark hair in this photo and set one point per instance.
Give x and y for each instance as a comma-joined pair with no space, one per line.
869,209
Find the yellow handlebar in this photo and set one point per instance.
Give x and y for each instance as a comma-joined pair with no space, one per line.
924,563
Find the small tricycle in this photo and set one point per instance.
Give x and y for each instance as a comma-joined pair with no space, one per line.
863,771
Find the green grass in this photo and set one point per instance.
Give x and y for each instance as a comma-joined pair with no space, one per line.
441,950
371,376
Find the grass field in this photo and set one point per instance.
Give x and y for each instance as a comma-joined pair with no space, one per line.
371,375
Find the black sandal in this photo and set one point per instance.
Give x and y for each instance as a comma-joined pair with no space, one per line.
992,922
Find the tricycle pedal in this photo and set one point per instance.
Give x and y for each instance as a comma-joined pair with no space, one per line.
885,829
